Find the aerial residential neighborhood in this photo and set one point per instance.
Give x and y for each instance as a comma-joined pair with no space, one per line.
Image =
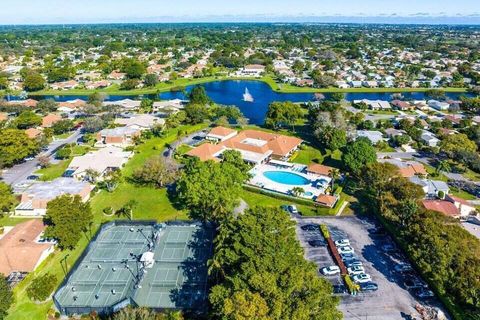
159,164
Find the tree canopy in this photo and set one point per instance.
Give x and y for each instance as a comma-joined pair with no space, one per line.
358,154
282,113
7,199
261,273
6,297
210,190
66,218
15,145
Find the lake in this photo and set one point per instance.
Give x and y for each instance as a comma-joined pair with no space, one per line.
231,92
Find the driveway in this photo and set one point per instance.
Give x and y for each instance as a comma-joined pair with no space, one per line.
19,173
191,140
392,300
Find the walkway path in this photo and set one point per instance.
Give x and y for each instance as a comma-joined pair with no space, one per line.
344,205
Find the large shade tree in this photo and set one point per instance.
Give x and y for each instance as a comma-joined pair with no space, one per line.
67,217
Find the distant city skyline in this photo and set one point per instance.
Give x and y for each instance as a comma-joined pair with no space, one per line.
127,11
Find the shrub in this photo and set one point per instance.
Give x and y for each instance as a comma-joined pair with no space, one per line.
42,287
351,286
324,230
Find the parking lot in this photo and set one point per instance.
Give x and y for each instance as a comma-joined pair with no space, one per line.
392,300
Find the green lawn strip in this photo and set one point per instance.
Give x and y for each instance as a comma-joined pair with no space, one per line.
53,171
257,199
307,155
462,194
11,221
63,136
182,149
278,87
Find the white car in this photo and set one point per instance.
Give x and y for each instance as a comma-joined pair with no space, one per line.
356,270
293,209
345,249
361,278
342,243
330,271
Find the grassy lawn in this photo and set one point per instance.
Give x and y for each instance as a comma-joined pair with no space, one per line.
63,136
182,149
10,221
153,204
307,155
53,171
256,199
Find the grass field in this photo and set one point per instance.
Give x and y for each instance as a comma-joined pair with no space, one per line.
307,155
278,87
53,171
256,199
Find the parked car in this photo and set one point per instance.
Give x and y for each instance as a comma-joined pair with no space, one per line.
362,278
353,263
342,243
424,293
403,267
346,249
339,289
356,270
368,286
29,158
348,257
293,209
311,227
316,243
33,177
330,271
414,283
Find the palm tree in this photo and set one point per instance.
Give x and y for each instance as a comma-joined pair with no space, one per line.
334,174
298,191
91,175
443,165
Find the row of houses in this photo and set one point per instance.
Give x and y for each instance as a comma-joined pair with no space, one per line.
437,193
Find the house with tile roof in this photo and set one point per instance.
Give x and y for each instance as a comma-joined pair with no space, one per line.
255,146
22,249
121,136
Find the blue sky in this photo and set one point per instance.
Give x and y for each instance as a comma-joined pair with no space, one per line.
85,11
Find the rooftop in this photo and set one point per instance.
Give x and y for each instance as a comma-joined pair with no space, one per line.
55,188
19,248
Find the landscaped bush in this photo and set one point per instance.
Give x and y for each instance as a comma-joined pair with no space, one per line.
42,287
351,286
325,232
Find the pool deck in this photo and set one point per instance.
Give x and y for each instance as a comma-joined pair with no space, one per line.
313,189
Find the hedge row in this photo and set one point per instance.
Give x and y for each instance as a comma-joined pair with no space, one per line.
279,196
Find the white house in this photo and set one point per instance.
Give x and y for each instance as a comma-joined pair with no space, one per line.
429,138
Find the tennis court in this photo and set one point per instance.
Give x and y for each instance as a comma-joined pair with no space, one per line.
110,273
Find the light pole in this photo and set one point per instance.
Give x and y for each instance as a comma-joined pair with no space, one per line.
64,260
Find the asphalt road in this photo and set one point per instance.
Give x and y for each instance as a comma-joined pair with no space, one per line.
19,173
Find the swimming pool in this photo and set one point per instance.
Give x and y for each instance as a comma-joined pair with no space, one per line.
285,177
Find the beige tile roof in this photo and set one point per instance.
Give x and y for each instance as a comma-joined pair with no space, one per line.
18,249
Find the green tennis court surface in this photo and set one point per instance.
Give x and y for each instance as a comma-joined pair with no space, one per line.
115,271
